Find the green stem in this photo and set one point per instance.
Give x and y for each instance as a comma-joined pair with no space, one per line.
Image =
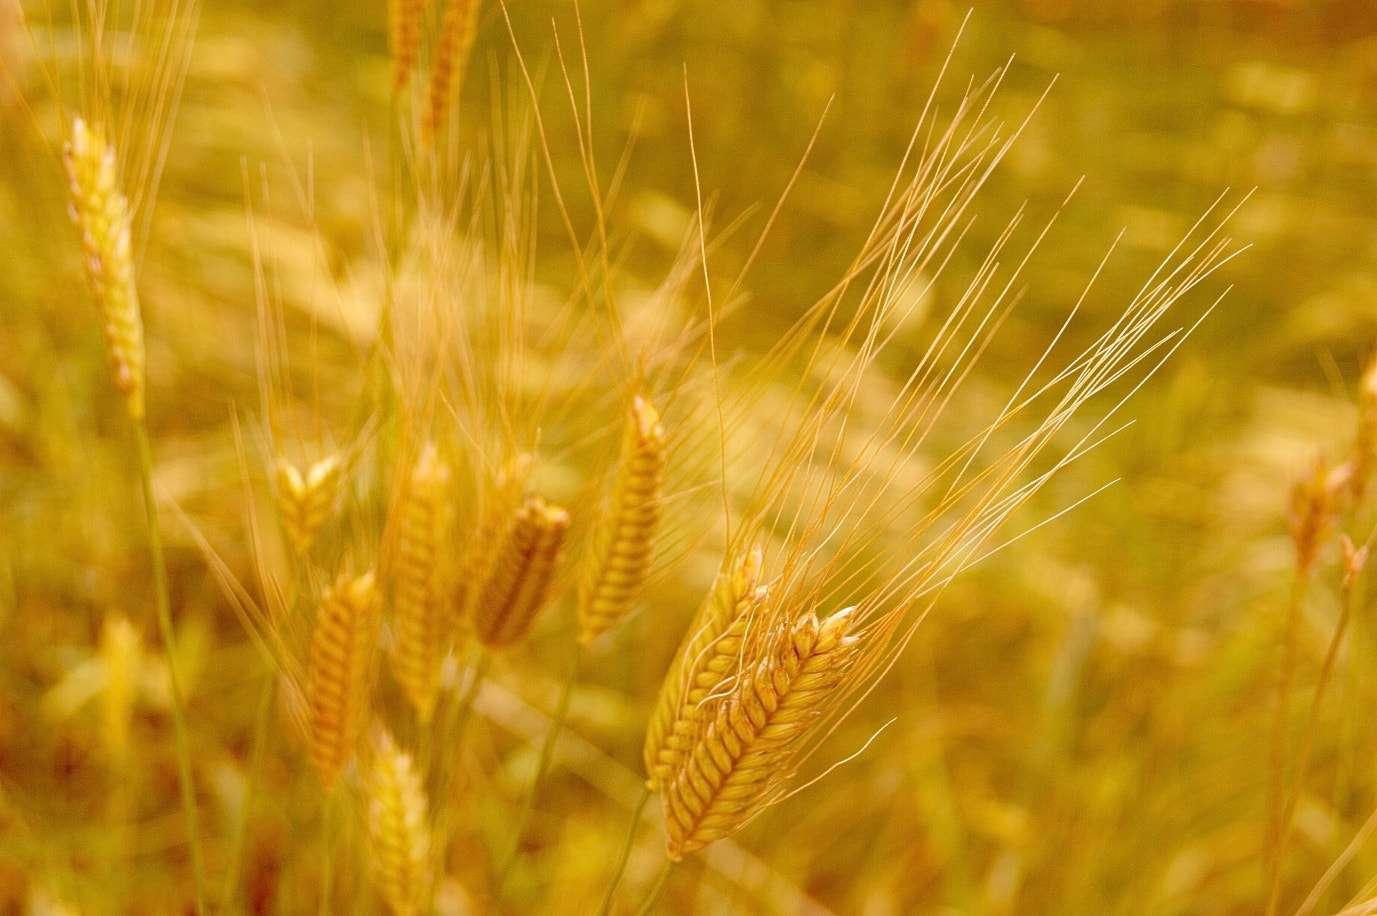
547,753
626,852
660,883
327,855
163,599
256,755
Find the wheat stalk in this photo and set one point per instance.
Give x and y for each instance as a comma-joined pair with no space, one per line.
414,572
339,672
705,659
399,838
734,765
517,585
620,556
101,214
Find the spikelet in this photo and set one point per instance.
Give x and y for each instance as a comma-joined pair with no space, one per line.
101,214
307,501
399,839
517,586
414,570
457,33
706,658
740,757
403,38
121,654
620,556
339,672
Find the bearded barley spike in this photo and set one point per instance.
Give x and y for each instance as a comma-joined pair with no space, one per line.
339,672
399,838
706,658
307,501
620,556
457,33
415,580
736,763
518,583
101,214
404,18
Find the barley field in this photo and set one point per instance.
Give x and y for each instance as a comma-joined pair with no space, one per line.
661,456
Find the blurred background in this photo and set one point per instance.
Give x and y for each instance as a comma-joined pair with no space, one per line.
1083,723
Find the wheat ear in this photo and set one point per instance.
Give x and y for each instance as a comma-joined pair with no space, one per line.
399,840
403,39
620,556
706,659
307,501
734,766
457,33
101,213
419,517
339,672
518,583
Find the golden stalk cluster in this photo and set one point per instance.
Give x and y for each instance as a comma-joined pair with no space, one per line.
101,213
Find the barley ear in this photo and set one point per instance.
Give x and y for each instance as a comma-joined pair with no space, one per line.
706,658
403,38
458,30
399,840
101,214
517,586
339,672
305,502
620,556
414,570
746,750
499,503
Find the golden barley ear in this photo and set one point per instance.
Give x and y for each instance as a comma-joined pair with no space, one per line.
399,837
418,527
706,658
518,584
305,502
404,19
458,30
735,765
101,214
617,564
339,672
